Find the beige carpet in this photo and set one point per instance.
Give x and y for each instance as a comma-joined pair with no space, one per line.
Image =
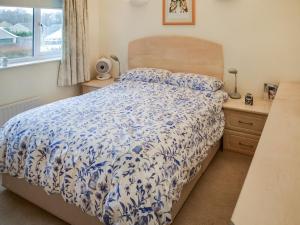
211,202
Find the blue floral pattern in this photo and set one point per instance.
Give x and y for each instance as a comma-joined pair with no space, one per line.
122,153
195,81
147,75
189,80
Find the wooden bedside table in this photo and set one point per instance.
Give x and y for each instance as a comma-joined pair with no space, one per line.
244,124
95,85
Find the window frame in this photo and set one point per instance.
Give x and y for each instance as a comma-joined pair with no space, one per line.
37,55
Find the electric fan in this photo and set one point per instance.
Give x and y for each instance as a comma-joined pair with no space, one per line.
103,67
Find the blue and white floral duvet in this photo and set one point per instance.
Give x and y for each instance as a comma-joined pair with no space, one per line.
122,153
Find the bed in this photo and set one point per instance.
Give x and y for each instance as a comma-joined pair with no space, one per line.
162,126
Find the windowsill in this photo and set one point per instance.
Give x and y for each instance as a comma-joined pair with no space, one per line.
29,63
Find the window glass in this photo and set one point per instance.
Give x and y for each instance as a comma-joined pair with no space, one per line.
29,34
16,32
51,35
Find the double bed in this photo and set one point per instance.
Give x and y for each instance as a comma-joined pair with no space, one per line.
129,153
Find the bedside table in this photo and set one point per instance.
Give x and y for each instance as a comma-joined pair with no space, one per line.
95,85
244,124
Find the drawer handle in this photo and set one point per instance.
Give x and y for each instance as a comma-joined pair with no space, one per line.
245,145
250,124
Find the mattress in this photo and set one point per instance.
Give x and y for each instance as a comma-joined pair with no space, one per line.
122,154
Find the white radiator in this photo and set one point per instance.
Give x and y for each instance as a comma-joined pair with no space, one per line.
10,110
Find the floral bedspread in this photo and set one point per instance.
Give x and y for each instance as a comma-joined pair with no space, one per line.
122,153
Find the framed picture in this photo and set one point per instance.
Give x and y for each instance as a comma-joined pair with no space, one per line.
270,91
179,12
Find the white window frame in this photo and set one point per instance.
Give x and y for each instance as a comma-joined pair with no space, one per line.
37,55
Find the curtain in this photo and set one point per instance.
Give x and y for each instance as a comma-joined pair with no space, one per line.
74,66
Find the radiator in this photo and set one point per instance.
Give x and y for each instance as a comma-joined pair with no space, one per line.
10,110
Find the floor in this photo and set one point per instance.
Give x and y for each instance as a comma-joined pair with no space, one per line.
211,202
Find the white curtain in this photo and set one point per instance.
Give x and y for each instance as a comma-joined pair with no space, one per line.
74,66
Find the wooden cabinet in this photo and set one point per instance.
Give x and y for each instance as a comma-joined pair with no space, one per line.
244,125
95,85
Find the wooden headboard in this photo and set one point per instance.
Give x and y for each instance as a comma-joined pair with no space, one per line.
177,54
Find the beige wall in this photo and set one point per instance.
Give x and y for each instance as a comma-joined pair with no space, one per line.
29,81
260,38
40,79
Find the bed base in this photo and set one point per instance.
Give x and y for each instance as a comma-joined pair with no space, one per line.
71,214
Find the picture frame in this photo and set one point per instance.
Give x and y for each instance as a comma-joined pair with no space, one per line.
270,91
179,12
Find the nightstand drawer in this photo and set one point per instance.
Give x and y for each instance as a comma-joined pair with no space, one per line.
240,142
245,122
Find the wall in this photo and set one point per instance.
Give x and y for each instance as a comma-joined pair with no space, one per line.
35,80
260,38
41,79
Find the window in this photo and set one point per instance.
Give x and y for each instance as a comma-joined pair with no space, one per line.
29,34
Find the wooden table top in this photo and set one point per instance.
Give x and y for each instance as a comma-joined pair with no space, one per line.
260,106
271,192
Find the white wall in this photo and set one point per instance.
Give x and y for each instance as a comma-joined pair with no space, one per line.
260,38
41,79
29,81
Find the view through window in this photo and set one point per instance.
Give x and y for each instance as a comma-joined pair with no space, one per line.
29,33
51,35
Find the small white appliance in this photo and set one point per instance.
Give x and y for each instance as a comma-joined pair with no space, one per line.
103,68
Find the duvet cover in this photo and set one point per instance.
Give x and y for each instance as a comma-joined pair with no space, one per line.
122,153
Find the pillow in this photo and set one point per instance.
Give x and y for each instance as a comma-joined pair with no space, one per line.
195,81
153,75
